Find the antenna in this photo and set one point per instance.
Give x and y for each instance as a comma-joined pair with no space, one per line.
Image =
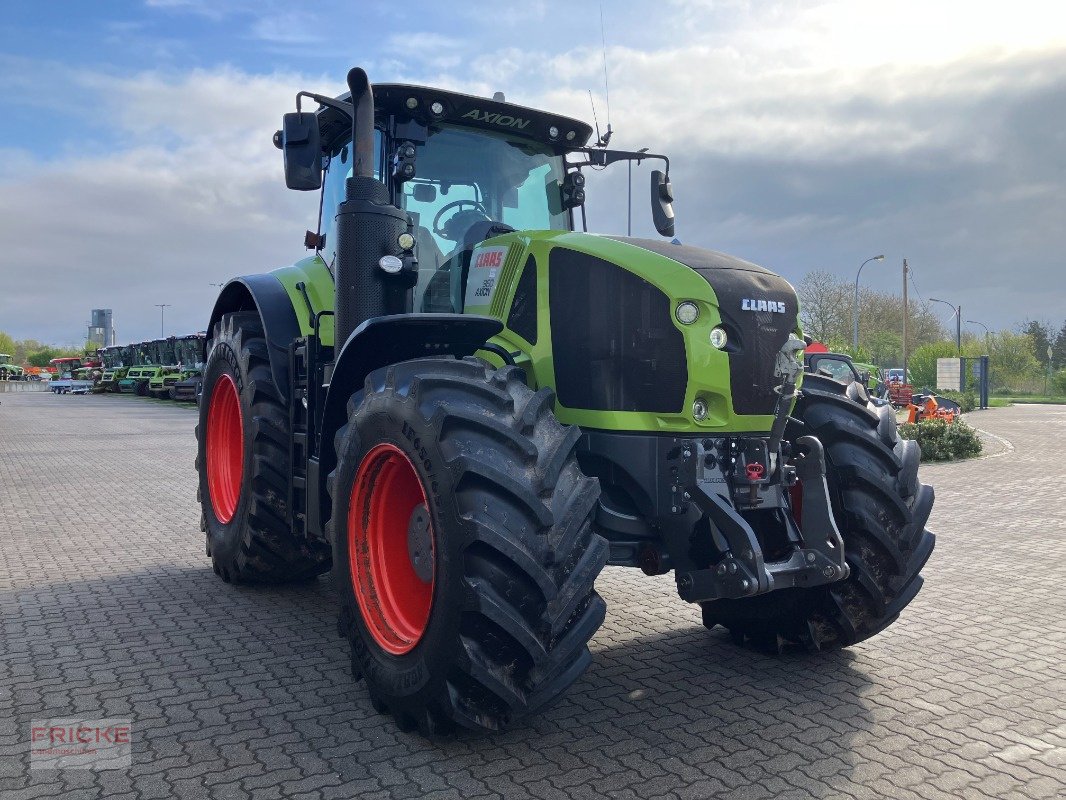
595,119
606,89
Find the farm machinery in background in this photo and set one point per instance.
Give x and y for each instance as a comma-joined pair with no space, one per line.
72,375
190,351
10,371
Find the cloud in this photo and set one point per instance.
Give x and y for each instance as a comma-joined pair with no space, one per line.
804,135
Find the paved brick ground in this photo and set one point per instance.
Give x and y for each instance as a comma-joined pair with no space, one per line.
110,609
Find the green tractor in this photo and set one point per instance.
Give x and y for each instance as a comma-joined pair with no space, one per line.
10,371
111,369
170,371
468,406
190,350
145,365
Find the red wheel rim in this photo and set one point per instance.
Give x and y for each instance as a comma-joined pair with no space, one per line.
394,600
225,448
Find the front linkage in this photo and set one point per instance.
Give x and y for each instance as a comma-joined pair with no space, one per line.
707,486
724,478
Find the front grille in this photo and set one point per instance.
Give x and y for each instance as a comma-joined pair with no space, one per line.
614,345
755,336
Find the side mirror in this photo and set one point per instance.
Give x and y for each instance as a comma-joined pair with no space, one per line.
662,203
301,146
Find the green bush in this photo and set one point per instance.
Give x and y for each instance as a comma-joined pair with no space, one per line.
1058,382
941,441
967,400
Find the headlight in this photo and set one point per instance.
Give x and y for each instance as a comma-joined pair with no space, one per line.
687,312
719,338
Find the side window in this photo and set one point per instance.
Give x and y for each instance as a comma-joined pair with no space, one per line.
337,173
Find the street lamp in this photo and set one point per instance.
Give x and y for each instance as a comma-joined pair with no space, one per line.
958,321
218,286
161,307
855,312
975,322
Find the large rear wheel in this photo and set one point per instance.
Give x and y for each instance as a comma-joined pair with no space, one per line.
463,550
881,510
243,463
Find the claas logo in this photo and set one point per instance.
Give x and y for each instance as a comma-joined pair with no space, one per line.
489,259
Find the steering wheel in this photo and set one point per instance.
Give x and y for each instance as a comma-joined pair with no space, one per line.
474,205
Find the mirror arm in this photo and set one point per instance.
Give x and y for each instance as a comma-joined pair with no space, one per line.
322,100
603,158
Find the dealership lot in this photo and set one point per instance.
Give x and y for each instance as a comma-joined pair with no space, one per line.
109,610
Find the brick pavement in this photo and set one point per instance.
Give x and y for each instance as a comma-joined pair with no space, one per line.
110,609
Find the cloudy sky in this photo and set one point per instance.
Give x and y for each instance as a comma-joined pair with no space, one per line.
136,164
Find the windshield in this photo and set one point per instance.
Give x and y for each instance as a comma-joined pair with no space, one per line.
466,180
65,367
189,352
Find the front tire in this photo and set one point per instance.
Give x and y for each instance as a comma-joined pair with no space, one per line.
464,554
881,510
243,463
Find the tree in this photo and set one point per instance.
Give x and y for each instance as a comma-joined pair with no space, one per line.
1040,333
1058,349
1012,361
885,347
41,357
7,344
824,306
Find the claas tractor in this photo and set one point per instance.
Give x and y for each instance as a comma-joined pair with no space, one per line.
467,406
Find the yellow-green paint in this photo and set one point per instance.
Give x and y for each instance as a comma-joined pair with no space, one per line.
708,368
318,283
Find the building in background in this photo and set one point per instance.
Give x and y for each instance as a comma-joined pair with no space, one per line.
101,328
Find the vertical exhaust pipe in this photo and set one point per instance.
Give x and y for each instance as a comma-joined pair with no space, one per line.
368,225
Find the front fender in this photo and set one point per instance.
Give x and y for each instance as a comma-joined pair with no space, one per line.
381,341
266,295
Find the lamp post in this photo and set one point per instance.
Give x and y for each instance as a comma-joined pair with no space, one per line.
958,321
975,322
162,307
855,311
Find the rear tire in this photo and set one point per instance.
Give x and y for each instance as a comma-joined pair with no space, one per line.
243,463
881,510
504,623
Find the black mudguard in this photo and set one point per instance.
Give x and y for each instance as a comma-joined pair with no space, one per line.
265,294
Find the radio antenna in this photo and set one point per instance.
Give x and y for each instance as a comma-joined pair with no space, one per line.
606,89
595,120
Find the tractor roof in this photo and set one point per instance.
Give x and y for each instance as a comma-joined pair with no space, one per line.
395,99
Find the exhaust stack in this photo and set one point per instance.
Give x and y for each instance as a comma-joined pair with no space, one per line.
368,225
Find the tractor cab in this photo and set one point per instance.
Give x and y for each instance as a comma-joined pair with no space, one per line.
65,367
465,169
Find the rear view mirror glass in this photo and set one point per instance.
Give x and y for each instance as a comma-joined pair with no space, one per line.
425,192
301,147
662,203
